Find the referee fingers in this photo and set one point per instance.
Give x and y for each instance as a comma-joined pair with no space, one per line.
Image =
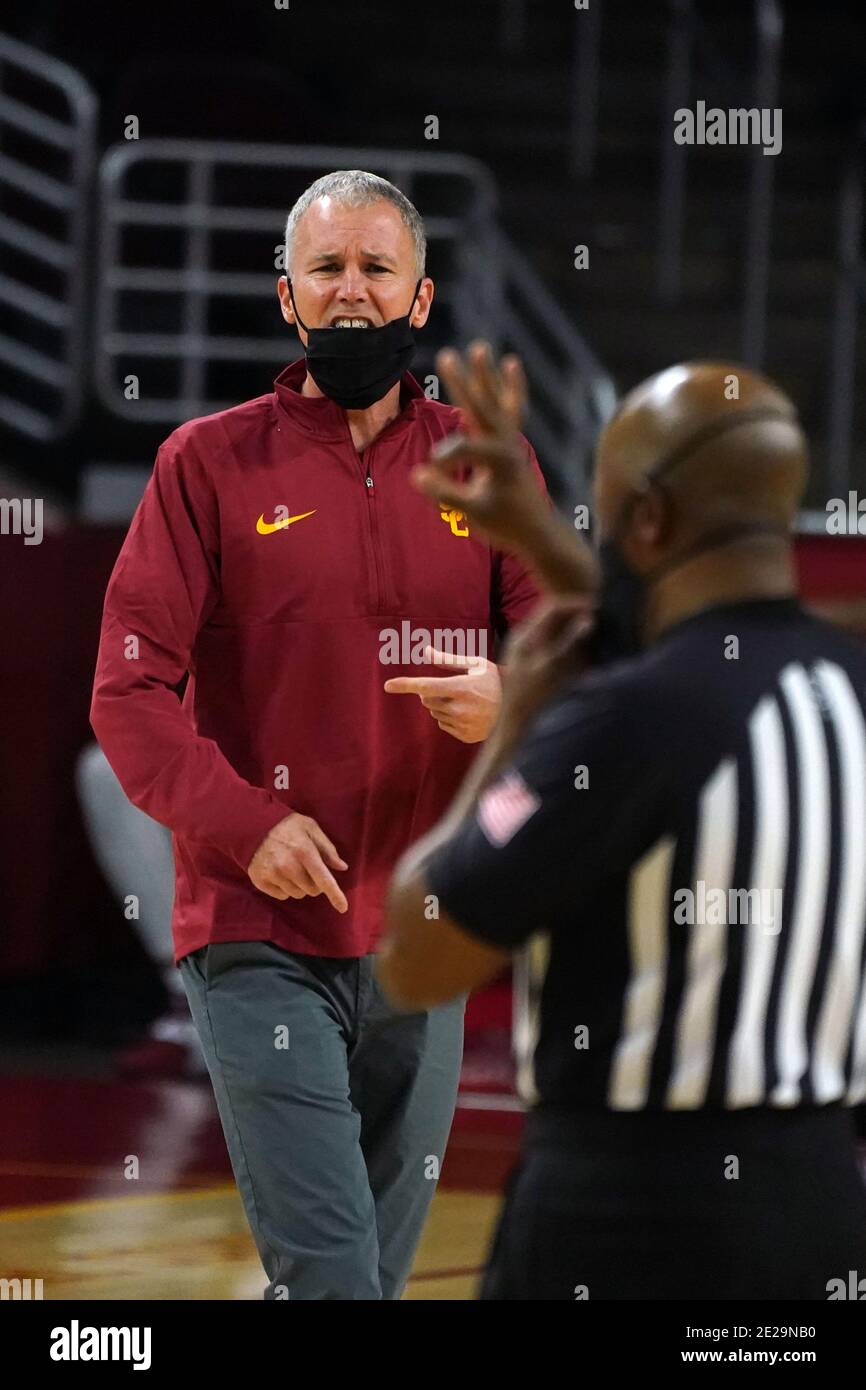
501,390
463,392
494,399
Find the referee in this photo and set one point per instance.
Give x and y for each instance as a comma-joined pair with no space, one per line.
687,822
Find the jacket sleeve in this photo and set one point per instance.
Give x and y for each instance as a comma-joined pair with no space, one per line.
163,588
515,591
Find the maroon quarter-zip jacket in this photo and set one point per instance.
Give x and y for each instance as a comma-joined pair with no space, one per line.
277,566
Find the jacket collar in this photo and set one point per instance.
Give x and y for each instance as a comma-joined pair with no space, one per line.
323,418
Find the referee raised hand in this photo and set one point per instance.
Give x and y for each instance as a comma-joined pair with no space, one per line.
685,822
481,470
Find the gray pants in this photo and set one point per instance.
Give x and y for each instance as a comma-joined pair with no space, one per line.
336,1109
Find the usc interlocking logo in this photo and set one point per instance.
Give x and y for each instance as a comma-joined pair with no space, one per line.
453,517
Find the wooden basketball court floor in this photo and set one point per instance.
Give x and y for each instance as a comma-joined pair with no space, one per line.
113,1190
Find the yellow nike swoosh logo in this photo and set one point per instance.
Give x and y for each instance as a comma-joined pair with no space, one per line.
265,528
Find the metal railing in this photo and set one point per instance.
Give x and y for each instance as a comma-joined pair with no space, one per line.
769,23
165,210
850,293
199,213
585,66
672,185
571,394
682,31
494,292
44,230
513,20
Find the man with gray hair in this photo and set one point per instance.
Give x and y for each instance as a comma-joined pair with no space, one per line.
277,545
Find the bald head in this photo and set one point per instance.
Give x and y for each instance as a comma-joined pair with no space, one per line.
723,441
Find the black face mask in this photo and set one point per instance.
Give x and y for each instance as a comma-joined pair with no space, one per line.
623,593
621,601
355,367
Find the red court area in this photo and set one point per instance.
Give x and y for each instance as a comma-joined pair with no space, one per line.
68,1139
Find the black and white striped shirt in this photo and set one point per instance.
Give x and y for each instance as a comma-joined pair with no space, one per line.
690,828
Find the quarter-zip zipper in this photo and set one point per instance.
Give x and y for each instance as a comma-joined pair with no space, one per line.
374,531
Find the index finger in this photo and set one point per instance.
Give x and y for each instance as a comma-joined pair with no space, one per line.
324,879
419,685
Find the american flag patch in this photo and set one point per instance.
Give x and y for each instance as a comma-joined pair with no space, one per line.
505,807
